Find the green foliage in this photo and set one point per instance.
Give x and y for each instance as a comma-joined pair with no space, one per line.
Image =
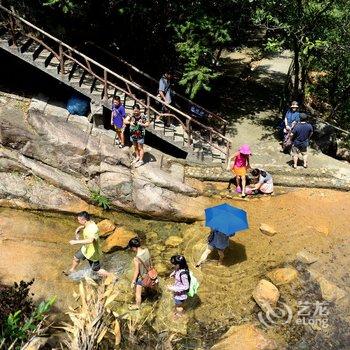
318,32
20,319
100,200
198,40
66,5
273,45
16,329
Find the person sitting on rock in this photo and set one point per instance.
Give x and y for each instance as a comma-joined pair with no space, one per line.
91,249
181,285
142,262
216,241
263,182
138,122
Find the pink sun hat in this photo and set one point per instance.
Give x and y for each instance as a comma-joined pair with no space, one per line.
245,149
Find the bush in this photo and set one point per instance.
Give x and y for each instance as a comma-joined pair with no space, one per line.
20,319
100,200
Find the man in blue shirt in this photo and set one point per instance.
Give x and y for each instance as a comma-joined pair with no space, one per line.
301,135
117,120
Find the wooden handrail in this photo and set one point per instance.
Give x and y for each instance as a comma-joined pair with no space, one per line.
107,72
137,70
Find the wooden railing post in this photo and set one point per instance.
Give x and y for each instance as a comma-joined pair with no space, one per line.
60,48
148,110
188,127
224,130
228,144
12,29
105,89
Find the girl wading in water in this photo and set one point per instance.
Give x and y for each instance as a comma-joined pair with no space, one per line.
240,165
181,285
138,122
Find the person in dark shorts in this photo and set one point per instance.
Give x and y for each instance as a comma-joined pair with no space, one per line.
91,248
216,241
142,261
301,135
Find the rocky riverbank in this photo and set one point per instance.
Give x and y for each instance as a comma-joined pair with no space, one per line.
302,250
54,161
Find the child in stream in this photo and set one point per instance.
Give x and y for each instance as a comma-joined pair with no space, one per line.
240,164
181,285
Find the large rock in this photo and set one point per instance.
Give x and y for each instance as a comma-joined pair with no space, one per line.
105,227
28,192
266,295
117,186
119,239
306,257
267,230
72,156
283,275
329,290
153,174
245,337
57,177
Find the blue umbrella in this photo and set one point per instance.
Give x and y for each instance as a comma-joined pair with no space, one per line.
226,219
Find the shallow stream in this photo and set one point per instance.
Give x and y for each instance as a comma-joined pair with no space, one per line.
35,245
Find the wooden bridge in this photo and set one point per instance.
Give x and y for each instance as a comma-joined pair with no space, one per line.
202,140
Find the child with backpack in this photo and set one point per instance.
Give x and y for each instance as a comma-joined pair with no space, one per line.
181,285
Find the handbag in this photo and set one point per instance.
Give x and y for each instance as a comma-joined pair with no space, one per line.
150,279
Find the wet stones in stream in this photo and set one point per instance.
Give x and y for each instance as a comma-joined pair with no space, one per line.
303,317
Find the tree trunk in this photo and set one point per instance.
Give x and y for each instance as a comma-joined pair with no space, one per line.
296,68
303,78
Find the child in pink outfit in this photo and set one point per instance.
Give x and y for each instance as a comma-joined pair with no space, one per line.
240,165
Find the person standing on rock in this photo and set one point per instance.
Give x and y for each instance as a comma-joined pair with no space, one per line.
142,263
216,241
240,164
117,120
182,281
301,135
91,249
138,122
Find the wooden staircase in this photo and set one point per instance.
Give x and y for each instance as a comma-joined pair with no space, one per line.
201,143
